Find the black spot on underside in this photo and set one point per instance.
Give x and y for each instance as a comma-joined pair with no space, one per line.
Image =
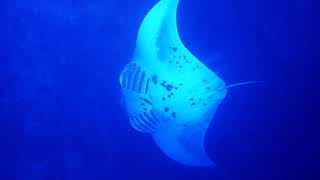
169,87
155,79
174,49
163,83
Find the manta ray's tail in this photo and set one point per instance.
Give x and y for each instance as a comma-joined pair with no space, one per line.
239,84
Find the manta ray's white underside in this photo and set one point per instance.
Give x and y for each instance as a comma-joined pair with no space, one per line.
167,91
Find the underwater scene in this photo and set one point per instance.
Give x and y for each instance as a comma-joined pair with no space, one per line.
159,90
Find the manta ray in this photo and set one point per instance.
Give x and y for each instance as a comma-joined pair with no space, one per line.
168,92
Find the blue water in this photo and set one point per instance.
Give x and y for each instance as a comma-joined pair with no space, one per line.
60,110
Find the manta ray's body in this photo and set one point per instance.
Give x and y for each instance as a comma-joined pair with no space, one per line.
167,91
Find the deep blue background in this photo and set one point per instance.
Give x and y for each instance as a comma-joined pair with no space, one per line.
60,110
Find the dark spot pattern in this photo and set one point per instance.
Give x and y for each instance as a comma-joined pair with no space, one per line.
166,109
174,49
173,114
163,84
155,79
169,87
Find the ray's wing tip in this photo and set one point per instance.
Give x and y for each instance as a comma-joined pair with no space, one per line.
207,163
211,164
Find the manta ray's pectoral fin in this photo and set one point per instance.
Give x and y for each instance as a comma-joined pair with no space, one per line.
160,25
184,144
